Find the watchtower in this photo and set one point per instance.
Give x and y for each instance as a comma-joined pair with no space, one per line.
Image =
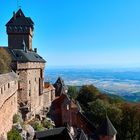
20,28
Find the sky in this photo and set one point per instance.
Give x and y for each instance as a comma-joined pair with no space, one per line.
99,33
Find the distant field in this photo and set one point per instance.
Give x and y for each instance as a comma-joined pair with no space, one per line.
122,82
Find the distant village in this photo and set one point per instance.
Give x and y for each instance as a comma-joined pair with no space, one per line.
25,97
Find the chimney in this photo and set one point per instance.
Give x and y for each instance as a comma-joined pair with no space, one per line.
35,50
14,15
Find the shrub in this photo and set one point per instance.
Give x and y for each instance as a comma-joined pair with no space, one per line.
47,124
14,135
16,118
37,126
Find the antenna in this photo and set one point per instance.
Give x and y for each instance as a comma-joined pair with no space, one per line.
18,4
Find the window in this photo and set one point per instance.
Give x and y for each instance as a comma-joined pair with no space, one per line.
8,85
1,91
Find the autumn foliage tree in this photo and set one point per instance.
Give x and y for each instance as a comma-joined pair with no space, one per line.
5,61
124,116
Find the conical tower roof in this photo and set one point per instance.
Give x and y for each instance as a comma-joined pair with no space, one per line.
106,128
60,87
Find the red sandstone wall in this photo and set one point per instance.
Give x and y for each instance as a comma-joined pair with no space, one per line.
8,107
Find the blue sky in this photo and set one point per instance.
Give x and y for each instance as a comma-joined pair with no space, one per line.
100,33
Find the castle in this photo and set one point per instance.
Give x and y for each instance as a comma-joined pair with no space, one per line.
27,92
24,90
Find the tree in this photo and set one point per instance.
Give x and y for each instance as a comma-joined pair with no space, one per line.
87,94
130,122
97,111
72,91
5,61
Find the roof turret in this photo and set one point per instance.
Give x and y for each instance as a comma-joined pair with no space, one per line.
60,87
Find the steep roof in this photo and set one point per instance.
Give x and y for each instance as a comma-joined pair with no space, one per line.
87,121
60,87
19,19
24,55
82,135
106,128
30,56
54,134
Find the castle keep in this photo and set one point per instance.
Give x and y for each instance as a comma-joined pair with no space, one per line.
28,65
32,95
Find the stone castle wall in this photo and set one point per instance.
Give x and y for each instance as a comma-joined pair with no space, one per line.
30,65
31,85
48,96
8,106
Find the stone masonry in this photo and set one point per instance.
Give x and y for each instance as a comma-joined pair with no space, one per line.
8,102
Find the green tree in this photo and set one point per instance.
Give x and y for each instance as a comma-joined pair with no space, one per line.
96,111
72,91
87,94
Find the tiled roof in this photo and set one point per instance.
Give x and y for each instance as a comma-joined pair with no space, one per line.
24,56
19,19
60,87
80,134
89,123
53,134
5,78
50,132
106,128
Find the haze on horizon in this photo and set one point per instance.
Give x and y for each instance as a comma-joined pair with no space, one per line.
102,33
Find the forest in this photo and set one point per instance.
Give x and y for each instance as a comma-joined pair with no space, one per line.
124,115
